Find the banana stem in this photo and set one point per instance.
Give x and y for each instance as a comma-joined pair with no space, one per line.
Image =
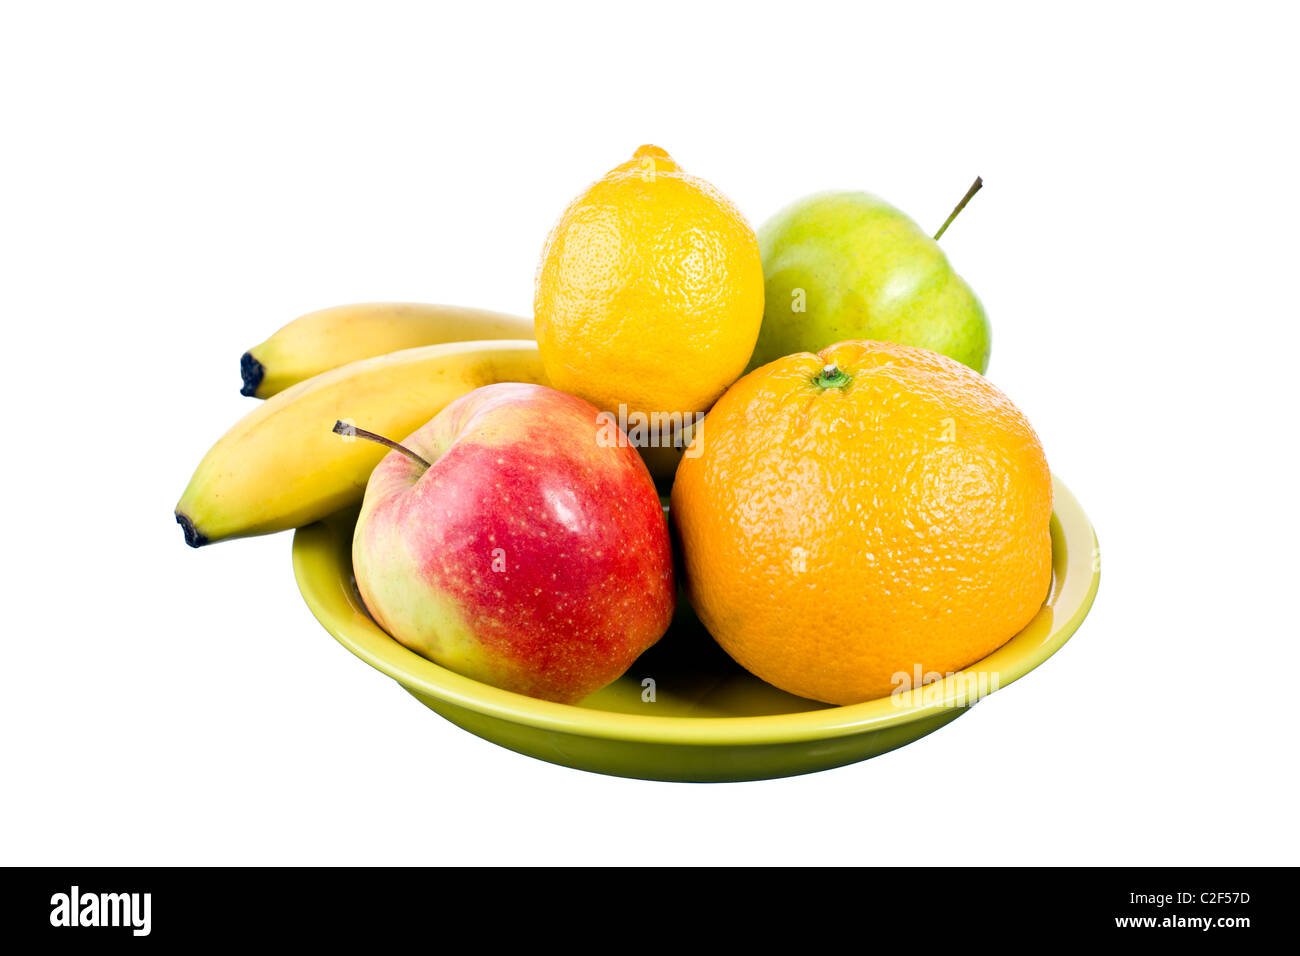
974,188
348,431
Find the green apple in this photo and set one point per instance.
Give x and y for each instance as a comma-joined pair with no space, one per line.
847,265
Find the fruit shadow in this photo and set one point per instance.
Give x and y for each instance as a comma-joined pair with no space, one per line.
686,674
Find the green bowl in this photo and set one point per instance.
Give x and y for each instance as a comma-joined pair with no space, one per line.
685,711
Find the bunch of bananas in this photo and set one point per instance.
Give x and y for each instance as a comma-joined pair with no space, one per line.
389,367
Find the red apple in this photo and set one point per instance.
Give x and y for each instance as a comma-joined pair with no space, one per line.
527,551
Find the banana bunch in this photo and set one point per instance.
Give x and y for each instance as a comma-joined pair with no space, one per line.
386,367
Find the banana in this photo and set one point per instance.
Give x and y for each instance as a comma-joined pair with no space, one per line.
320,341
282,466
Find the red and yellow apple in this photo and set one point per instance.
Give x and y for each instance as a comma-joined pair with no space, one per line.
525,551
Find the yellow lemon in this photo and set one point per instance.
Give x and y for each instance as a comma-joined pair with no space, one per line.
650,291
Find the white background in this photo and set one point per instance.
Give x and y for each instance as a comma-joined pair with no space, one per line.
177,184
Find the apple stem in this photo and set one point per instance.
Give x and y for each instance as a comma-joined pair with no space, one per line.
974,188
343,428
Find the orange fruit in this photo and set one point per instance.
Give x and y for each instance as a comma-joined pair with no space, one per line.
852,516
650,291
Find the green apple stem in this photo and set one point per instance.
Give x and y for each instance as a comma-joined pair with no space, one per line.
347,430
974,188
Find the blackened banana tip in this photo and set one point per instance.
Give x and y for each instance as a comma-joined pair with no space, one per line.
253,372
193,537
